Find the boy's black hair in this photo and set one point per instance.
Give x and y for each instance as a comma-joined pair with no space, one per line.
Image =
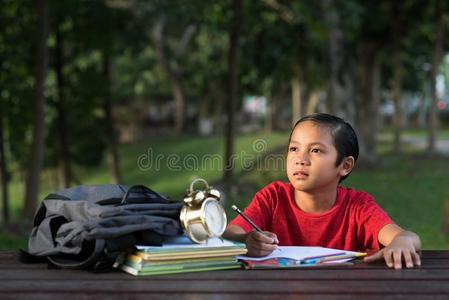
345,139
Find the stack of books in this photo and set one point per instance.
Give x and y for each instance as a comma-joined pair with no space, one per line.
179,255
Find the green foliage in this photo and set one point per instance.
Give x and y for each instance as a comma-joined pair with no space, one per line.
16,76
97,34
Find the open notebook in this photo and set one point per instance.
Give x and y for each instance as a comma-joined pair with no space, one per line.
299,256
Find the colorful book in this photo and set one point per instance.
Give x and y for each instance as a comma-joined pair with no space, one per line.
306,254
300,257
286,263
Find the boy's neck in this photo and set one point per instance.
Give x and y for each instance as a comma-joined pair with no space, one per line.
316,203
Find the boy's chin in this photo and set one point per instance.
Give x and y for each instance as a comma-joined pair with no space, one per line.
300,185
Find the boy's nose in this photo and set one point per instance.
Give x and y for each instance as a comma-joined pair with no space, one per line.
302,160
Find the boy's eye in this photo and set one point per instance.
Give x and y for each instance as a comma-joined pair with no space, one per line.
316,150
292,149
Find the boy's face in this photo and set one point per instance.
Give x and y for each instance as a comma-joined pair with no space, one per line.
311,159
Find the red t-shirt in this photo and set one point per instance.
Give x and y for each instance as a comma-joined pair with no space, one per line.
353,222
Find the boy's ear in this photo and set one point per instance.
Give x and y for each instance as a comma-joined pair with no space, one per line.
347,165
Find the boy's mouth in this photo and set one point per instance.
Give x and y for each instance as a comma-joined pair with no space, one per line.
300,174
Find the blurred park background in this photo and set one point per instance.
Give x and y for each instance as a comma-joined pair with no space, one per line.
161,92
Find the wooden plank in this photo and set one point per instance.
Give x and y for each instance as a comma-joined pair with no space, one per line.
204,296
426,263
343,287
444,254
348,282
275,275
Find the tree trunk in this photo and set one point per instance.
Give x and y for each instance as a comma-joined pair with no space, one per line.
296,99
216,88
312,102
368,101
267,88
341,87
37,148
64,153
111,135
269,115
4,176
396,81
234,34
436,60
396,95
174,73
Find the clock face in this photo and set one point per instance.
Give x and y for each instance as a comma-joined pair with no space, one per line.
215,217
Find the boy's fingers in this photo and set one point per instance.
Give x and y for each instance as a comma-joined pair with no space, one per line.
388,259
416,258
260,239
265,237
376,256
397,257
259,248
273,236
408,259
257,252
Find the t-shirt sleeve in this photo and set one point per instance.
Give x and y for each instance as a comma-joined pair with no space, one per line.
259,211
372,218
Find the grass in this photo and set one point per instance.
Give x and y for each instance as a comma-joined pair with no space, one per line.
411,187
413,190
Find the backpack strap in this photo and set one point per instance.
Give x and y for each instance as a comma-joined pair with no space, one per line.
140,189
95,256
28,258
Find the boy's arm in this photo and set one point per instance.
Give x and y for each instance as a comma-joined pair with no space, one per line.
235,233
390,232
399,244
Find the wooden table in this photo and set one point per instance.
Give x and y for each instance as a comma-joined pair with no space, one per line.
360,281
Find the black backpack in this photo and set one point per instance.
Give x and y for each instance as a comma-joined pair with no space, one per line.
87,227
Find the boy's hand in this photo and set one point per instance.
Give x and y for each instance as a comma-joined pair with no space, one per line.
402,246
261,244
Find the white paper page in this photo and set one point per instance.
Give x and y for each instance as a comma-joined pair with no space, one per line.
297,253
183,241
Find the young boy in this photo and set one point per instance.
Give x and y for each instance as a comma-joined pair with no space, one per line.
313,210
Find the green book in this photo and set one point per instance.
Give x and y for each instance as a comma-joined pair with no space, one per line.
178,269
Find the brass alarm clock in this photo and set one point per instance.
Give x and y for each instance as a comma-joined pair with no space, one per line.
202,216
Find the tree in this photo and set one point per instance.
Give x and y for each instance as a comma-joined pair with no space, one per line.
302,43
16,44
4,176
437,55
234,33
396,80
366,37
111,134
37,148
174,73
341,83
63,153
